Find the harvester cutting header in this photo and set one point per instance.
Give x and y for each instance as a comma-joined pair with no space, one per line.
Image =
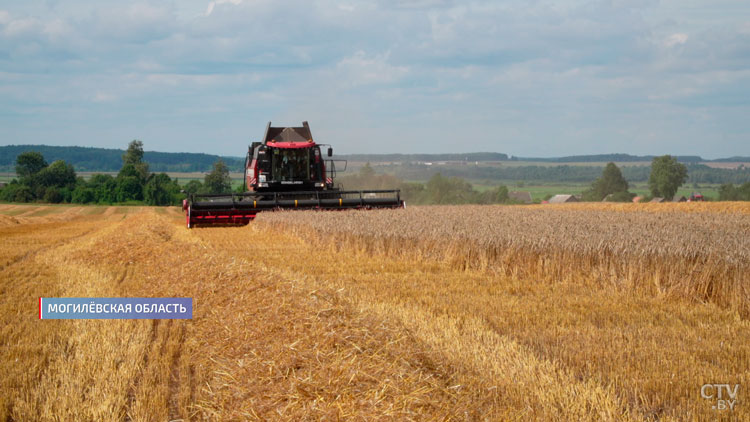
286,170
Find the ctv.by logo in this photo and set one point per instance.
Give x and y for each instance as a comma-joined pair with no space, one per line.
724,394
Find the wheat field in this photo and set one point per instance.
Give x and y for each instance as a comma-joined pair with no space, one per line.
572,312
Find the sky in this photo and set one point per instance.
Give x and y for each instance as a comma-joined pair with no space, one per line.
527,78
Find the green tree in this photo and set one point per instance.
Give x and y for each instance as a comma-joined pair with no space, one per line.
129,170
728,192
667,175
449,190
134,157
58,174
29,163
134,153
193,186
744,191
104,187
16,192
498,195
53,195
83,194
610,182
158,190
128,188
413,192
133,175
218,180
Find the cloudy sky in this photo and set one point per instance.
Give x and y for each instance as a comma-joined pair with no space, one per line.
528,78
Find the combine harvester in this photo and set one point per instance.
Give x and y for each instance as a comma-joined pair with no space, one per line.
284,171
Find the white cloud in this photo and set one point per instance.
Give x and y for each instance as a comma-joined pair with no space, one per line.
57,28
676,39
137,23
213,4
361,69
171,79
103,97
21,27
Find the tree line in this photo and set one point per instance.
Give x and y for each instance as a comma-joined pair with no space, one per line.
666,176
109,160
409,167
134,184
437,190
697,173
729,192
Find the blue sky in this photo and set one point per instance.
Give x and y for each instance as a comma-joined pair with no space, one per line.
528,78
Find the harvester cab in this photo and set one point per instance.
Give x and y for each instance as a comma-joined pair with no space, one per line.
288,159
285,170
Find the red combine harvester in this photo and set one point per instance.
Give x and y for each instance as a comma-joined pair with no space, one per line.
284,171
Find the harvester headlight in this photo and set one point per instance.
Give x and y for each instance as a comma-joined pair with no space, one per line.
262,178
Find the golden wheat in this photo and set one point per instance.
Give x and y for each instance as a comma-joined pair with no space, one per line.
621,340
698,256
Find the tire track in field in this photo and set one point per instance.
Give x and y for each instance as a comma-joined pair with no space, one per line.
26,277
155,387
274,347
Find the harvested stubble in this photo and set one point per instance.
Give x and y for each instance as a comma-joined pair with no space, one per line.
696,256
260,346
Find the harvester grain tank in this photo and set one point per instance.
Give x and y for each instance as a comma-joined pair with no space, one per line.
286,170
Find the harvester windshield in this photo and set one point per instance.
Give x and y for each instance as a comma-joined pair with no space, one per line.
290,164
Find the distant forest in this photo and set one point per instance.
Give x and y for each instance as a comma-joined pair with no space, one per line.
496,156
619,158
697,173
405,166
110,160
406,158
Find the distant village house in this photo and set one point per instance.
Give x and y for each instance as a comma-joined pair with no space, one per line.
561,199
523,197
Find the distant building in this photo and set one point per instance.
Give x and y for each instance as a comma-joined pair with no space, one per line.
637,199
524,197
658,199
560,199
679,199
